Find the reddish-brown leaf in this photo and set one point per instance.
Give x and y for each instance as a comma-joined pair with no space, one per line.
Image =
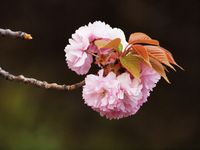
101,43
113,44
159,68
141,51
138,36
159,54
171,59
150,42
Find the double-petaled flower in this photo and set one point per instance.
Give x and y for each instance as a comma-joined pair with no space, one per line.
128,70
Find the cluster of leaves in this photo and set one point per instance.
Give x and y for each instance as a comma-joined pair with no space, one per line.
141,49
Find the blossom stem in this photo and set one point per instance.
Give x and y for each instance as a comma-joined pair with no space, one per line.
126,50
89,52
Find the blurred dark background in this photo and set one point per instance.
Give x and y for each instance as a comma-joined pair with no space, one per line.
38,119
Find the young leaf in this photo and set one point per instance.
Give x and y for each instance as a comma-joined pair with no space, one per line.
159,54
141,51
138,36
101,43
150,42
113,44
132,64
171,59
159,68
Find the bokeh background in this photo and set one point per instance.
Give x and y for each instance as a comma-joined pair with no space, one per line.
38,119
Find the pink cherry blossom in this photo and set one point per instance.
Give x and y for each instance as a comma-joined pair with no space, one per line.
112,96
149,78
77,59
119,96
78,56
116,95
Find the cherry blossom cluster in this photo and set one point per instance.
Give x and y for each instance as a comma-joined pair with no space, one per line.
128,70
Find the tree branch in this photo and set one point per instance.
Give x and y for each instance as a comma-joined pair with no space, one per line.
31,81
15,34
38,83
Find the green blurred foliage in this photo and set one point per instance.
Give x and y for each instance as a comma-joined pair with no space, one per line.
18,129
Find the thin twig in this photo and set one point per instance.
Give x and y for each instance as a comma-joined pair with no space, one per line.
38,83
15,34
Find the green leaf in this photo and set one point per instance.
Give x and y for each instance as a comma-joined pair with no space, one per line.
132,64
120,48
